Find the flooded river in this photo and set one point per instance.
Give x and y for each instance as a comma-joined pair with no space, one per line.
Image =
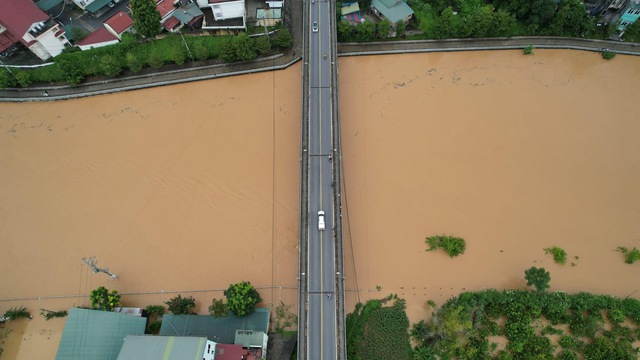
195,186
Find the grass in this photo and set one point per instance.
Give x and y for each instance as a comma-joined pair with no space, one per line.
630,256
453,246
559,255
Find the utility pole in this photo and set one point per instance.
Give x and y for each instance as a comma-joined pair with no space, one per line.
93,264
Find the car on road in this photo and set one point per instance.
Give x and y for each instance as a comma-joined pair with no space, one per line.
314,27
320,220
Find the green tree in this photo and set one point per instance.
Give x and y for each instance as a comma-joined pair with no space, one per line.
218,308
263,45
384,28
504,24
7,79
178,54
134,62
181,306
537,277
146,18
632,32
110,65
78,34
155,59
282,39
365,31
443,26
344,31
200,50
73,71
228,51
570,19
244,47
242,298
400,28
23,78
103,299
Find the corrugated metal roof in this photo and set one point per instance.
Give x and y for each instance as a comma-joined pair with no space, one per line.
96,335
46,5
350,8
221,330
186,13
150,347
248,338
97,5
395,13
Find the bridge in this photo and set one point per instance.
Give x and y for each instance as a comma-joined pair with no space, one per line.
321,333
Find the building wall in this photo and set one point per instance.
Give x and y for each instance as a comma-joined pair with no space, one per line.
630,15
209,350
106,43
228,10
47,44
265,340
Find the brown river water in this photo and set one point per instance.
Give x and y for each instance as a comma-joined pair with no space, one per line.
188,188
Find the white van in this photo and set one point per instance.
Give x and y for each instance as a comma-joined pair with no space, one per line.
321,220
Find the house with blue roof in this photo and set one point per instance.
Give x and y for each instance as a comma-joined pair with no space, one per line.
392,10
630,14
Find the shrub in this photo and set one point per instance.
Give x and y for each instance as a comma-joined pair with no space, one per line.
181,306
218,308
537,277
7,79
567,355
630,256
200,50
17,313
262,44
102,299
155,59
153,327
453,246
134,62
608,54
110,65
155,310
48,314
559,255
285,318
178,55
528,50
23,78
282,39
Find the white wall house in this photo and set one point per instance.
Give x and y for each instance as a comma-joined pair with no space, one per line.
222,10
46,43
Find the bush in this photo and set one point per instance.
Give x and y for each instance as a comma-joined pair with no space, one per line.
48,314
17,313
181,306
630,256
7,79
608,54
453,246
200,50
262,44
154,327
110,65
218,308
559,255
178,55
23,78
134,62
155,59
528,50
155,310
282,39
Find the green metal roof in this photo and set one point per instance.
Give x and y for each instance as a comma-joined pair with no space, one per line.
393,10
97,5
186,13
221,329
96,335
150,347
46,5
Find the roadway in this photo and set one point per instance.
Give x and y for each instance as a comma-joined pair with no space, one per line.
321,316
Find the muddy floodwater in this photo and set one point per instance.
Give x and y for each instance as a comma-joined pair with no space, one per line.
187,188
513,153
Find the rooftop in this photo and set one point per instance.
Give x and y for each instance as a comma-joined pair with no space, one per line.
99,36
119,22
150,347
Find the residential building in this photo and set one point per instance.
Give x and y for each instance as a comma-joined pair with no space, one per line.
630,14
22,21
254,341
99,38
392,10
351,12
92,6
96,335
150,347
612,12
230,352
220,330
189,15
119,23
166,10
223,14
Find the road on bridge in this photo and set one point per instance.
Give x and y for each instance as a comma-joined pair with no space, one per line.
321,321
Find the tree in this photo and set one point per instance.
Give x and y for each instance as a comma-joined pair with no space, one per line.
263,45
538,277
282,39
181,306
218,308
146,18
344,31
365,31
632,32
102,299
200,50
400,28
504,24
178,54
443,27
570,19
242,298
384,29
244,47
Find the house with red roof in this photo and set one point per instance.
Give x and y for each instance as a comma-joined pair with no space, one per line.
22,21
99,38
119,23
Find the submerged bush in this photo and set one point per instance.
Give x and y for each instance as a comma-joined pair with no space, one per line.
630,256
453,246
559,255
